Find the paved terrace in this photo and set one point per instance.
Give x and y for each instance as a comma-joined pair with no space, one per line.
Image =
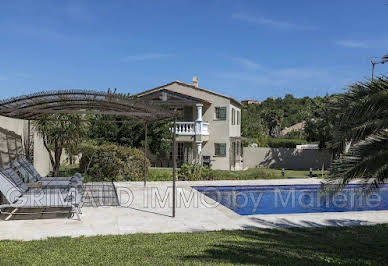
138,214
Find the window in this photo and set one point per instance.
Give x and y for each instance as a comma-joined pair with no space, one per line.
220,113
180,154
238,117
220,149
233,116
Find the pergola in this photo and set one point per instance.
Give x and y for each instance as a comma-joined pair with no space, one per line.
39,105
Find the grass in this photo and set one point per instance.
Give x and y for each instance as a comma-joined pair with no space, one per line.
164,174
363,245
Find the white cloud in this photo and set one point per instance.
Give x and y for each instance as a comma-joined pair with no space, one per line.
294,78
371,43
271,22
148,56
247,63
352,44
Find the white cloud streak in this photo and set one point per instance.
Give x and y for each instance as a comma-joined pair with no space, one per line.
331,77
144,57
284,25
247,63
352,44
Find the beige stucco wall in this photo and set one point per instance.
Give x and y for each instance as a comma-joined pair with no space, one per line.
234,130
286,158
41,158
220,131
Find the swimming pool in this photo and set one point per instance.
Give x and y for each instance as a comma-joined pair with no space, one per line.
251,200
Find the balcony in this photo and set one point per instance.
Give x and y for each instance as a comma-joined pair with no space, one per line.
192,128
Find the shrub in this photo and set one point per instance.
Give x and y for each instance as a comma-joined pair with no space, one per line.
112,162
195,172
265,141
160,174
295,134
262,140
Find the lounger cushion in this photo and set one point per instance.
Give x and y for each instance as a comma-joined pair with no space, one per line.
34,176
15,178
9,189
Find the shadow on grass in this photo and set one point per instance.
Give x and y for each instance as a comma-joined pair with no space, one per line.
285,223
358,245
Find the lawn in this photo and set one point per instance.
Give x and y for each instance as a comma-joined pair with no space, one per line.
363,245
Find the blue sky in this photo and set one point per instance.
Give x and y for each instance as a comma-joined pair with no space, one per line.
246,49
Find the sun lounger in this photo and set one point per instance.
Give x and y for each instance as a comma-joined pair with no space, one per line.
29,198
13,176
27,175
34,176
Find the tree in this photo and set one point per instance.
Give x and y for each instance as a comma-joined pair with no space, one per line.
256,118
251,122
59,132
322,126
125,132
273,120
364,125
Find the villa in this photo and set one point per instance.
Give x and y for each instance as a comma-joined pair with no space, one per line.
208,129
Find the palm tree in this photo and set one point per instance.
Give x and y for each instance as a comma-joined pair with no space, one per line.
363,125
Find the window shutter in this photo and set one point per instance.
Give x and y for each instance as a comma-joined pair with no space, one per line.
223,149
223,113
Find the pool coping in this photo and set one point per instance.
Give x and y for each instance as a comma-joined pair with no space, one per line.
137,218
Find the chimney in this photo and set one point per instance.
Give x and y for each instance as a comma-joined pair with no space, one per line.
195,81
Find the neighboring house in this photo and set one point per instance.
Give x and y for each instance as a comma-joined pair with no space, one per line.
249,102
208,129
296,127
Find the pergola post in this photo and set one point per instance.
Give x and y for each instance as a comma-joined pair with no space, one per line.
145,153
174,169
28,150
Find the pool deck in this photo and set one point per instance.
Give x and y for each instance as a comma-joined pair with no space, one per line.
148,210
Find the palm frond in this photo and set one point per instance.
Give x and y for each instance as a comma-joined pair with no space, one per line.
366,162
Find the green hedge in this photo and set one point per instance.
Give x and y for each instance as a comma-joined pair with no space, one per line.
265,141
112,162
285,143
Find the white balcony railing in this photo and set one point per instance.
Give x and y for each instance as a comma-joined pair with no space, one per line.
185,128
189,128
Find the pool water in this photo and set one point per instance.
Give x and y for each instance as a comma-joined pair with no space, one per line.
251,200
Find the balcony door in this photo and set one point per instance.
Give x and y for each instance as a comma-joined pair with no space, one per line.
188,113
